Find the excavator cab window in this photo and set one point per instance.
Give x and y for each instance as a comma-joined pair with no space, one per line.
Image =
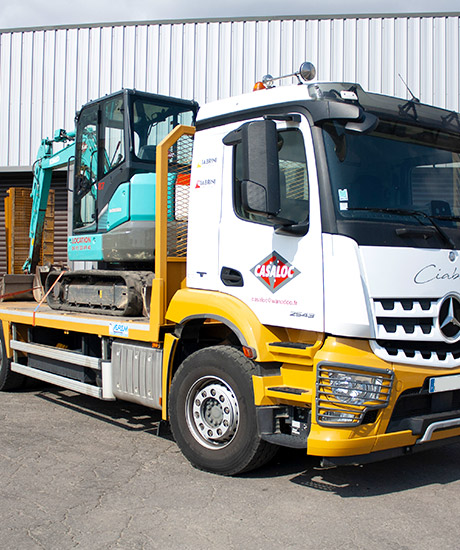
153,121
100,148
112,135
86,170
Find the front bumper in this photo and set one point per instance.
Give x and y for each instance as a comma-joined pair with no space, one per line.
360,448
411,419
387,454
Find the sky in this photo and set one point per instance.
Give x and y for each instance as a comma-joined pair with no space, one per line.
39,13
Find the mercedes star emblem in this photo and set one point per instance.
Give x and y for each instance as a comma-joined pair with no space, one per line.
449,318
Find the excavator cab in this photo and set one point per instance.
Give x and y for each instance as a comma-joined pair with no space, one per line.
114,181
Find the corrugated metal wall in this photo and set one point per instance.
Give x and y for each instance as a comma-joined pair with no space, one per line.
46,75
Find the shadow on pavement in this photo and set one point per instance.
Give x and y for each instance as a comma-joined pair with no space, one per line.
122,414
435,466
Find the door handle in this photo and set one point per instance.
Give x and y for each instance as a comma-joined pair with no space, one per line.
231,277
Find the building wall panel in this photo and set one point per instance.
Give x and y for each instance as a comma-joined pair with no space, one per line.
324,62
361,55
14,100
426,60
105,62
452,63
94,56
311,42
47,74
25,103
350,50
70,77
129,59
116,67
400,56
60,79
273,50
49,71
225,45
439,60
414,56
5,72
375,65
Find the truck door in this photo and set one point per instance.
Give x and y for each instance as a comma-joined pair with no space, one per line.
274,263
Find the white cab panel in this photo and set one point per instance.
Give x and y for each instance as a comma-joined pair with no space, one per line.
411,272
204,210
346,305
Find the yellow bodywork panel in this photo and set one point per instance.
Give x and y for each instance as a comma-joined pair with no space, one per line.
192,303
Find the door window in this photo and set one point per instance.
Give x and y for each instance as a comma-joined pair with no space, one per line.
293,173
86,163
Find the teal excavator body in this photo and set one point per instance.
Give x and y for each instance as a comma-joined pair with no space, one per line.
112,194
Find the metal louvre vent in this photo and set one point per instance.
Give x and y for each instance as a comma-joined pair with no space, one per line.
179,169
407,331
346,396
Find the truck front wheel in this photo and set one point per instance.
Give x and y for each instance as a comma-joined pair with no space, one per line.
212,412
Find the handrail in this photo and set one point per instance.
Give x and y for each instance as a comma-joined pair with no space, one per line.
158,299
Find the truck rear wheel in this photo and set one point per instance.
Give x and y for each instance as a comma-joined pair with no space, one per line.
8,380
212,412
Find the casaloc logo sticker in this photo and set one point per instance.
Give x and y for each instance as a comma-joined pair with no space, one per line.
274,271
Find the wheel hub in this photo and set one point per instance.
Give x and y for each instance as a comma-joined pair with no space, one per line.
212,412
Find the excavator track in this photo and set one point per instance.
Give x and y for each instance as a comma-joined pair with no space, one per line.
118,293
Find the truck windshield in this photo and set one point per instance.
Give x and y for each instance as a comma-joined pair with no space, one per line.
399,185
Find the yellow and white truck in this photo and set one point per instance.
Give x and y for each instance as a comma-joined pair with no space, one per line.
294,256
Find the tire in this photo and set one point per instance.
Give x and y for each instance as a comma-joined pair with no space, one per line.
8,380
212,412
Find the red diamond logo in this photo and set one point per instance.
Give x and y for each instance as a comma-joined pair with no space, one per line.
274,271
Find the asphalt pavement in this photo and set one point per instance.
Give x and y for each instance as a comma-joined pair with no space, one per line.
81,473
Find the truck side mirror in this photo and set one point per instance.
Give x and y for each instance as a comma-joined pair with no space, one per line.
260,181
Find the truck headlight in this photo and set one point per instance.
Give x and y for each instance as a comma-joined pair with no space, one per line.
354,389
345,393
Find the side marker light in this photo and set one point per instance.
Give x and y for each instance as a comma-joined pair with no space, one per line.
250,353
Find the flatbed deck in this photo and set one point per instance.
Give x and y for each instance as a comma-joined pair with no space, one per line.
30,313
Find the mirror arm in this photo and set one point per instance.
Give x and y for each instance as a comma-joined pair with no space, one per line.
296,230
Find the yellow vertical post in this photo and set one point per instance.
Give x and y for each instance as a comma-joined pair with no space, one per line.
158,303
9,244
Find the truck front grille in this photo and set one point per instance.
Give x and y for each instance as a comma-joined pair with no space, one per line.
436,354
402,318
407,331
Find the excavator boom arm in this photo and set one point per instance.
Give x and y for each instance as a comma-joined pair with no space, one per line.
46,162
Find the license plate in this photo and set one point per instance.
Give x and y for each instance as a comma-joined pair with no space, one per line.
444,383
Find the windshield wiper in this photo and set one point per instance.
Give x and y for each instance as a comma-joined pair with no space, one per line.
415,214
447,218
